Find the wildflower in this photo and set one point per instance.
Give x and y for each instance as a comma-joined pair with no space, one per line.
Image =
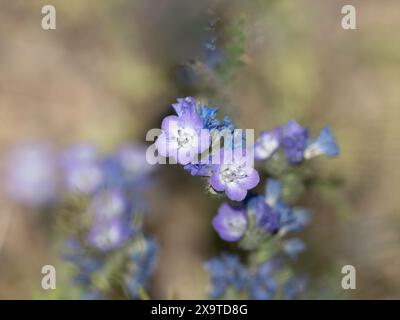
81,169
230,222
108,204
293,247
142,258
185,106
273,190
263,284
266,218
294,141
324,144
86,264
267,144
292,219
107,235
199,169
208,116
227,272
133,160
234,176
293,287
31,175
182,136
289,219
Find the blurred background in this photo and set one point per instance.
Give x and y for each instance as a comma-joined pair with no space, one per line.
111,70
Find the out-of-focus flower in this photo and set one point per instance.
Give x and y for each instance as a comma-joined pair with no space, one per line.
273,189
292,219
230,222
227,272
82,171
294,141
108,204
325,144
263,285
141,265
293,247
111,234
86,264
31,175
293,287
133,160
267,144
266,218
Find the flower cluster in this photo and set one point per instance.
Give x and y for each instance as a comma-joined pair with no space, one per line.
261,223
231,279
259,220
113,240
296,143
100,206
187,137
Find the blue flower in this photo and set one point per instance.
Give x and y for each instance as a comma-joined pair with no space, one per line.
227,272
142,263
325,144
267,144
294,141
234,176
293,247
182,137
266,218
230,222
263,284
292,219
208,116
210,121
273,189
293,287
86,264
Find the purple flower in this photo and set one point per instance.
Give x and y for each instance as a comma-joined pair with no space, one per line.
203,170
267,144
109,235
294,141
182,137
133,160
31,175
234,176
266,218
108,204
230,222
82,170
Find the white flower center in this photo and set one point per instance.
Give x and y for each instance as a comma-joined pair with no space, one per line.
231,173
185,138
237,225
